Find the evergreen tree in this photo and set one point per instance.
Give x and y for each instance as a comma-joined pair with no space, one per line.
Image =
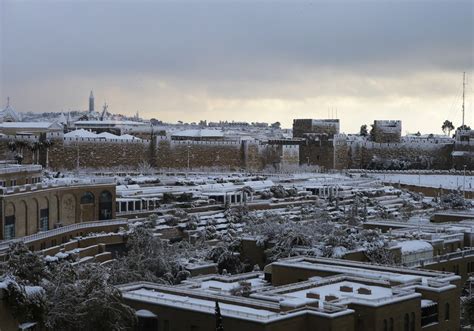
219,326
152,150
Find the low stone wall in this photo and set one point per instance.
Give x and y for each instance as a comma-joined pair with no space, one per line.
431,191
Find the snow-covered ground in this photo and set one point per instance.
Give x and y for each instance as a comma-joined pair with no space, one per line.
446,181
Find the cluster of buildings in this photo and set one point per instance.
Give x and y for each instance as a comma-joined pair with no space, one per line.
89,135
75,188
301,293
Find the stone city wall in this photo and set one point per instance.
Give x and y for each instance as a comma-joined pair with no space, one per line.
369,155
164,153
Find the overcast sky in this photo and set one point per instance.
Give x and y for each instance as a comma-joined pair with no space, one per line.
242,60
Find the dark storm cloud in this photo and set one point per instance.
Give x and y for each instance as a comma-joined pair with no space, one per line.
246,60
233,41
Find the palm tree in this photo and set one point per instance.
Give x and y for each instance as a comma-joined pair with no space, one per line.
46,145
35,147
12,145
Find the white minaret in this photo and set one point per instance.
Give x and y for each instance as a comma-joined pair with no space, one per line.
91,103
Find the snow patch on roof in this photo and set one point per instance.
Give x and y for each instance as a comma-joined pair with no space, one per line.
413,246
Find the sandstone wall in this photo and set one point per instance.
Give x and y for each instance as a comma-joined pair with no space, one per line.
96,154
317,152
174,154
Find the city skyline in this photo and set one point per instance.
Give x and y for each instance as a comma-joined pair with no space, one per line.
255,62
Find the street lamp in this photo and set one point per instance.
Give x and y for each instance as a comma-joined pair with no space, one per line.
464,182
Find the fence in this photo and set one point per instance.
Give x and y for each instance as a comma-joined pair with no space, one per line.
62,230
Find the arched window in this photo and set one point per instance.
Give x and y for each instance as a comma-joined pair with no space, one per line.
446,311
87,197
391,324
105,205
9,228
406,322
412,322
385,326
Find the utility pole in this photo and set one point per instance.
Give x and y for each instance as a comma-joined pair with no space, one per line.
463,90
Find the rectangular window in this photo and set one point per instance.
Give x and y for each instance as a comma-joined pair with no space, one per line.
44,219
9,227
13,182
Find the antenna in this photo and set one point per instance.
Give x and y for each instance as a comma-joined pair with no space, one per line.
463,88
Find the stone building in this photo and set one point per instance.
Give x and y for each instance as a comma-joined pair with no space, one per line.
463,153
302,127
30,208
17,174
305,294
386,131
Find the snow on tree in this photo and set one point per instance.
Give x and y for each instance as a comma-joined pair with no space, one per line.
27,303
151,259
467,308
243,289
82,299
229,261
382,255
63,296
24,264
454,201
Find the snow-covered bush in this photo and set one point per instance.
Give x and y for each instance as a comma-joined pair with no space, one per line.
454,201
243,290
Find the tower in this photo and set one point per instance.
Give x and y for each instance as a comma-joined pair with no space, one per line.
91,103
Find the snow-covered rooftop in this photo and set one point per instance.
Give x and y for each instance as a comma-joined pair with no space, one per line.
199,133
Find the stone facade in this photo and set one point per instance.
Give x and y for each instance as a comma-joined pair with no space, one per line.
301,127
343,153
387,131
68,153
318,150
36,208
14,174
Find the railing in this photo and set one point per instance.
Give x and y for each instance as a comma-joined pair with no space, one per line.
195,305
441,258
19,168
52,184
61,230
414,172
